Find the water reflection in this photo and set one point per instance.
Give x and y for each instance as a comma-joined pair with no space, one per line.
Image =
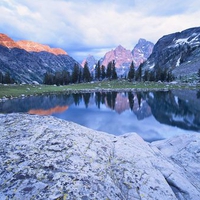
57,109
198,94
47,104
154,115
176,108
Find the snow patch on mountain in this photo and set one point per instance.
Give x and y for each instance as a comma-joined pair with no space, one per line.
152,66
178,62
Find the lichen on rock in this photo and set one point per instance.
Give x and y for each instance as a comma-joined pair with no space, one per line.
47,158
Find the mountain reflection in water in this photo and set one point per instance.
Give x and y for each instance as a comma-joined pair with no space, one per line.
153,115
57,109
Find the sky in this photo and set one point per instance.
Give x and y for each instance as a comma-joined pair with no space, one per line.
83,27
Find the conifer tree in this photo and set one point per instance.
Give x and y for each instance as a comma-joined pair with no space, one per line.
109,70
151,76
170,76
86,73
139,73
113,71
1,77
146,75
58,78
131,73
80,76
103,72
75,74
158,74
65,77
7,78
46,78
98,71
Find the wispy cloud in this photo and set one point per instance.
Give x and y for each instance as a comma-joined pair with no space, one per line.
88,26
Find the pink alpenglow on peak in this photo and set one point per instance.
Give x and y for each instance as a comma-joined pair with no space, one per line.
29,45
37,47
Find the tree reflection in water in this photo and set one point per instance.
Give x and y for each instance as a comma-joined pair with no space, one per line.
198,94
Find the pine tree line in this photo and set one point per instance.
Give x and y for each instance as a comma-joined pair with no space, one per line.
163,75
80,75
6,79
101,72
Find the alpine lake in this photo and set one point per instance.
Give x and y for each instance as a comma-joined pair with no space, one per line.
154,115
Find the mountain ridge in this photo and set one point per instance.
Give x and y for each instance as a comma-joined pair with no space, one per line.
29,46
37,47
178,52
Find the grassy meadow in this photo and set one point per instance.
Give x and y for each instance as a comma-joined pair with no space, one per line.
9,91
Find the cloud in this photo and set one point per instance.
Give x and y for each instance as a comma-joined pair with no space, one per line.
86,26
166,8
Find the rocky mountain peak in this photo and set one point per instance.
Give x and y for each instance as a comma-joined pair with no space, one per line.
121,56
142,51
36,47
120,48
141,41
7,42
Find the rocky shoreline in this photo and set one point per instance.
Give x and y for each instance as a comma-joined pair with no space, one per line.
42,157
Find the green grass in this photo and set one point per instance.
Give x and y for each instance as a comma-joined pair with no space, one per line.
26,90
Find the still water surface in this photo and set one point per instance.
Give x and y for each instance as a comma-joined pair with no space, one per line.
153,115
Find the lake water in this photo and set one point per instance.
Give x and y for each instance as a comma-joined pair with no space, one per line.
153,115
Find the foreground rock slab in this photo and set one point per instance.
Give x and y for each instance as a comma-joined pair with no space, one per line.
42,157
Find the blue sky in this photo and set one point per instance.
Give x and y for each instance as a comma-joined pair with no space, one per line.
83,27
